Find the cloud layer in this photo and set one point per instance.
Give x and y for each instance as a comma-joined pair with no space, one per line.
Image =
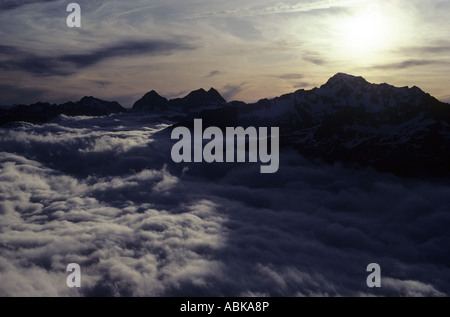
101,192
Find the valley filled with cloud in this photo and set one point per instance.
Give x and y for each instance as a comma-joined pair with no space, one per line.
104,193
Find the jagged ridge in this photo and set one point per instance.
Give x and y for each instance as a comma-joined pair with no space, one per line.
396,129
43,111
194,101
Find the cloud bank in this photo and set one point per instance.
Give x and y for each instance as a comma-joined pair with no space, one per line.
101,192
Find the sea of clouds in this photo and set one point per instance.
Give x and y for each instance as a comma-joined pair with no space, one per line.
103,193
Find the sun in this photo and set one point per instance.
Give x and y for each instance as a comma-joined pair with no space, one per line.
365,32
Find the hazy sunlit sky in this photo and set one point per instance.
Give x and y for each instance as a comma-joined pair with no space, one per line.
247,50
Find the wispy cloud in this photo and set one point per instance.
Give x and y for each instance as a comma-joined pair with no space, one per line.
12,4
314,59
229,91
292,76
435,48
126,49
213,73
63,65
256,9
102,83
302,85
408,64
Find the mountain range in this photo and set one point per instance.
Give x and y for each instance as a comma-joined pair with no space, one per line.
43,111
400,130
194,101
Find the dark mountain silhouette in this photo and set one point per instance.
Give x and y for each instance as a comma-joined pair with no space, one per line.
43,111
193,102
151,101
349,120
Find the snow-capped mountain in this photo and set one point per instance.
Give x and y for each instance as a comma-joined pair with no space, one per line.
44,111
401,130
352,97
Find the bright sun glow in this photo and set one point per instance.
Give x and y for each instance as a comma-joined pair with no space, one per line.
365,32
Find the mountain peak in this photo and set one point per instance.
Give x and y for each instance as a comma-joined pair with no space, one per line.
152,93
199,98
151,101
212,91
202,96
215,95
89,105
89,101
94,102
153,96
87,98
198,92
341,75
341,79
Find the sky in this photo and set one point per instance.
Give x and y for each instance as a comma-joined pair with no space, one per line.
247,50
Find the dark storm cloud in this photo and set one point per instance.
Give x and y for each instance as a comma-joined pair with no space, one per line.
63,65
18,59
125,49
15,59
102,192
38,65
